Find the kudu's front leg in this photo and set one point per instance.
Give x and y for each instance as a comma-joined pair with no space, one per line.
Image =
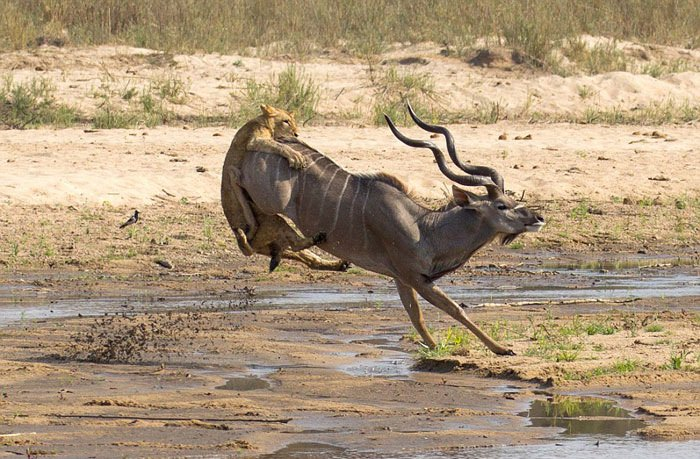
438,298
410,302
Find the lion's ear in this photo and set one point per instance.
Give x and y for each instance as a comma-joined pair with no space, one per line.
267,110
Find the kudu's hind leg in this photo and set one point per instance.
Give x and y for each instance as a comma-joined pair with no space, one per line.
437,297
234,179
410,302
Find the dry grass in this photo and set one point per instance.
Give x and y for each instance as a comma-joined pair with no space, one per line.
303,26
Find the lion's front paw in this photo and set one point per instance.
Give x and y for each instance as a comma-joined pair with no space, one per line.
298,161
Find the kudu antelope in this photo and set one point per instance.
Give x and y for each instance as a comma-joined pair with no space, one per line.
371,221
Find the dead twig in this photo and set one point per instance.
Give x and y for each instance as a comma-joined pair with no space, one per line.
558,302
166,418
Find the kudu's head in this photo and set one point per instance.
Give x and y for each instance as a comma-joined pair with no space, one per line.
504,215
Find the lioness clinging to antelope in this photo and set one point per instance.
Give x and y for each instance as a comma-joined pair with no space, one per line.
255,232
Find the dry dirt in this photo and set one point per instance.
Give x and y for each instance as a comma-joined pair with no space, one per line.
147,383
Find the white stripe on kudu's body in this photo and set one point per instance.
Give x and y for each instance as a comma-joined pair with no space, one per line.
370,220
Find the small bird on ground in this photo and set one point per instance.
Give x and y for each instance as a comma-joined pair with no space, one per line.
133,219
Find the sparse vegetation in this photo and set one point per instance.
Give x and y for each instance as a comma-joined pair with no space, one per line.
599,58
677,359
32,104
394,87
517,245
580,211
291,90
452,340
600,328
128,107
662,68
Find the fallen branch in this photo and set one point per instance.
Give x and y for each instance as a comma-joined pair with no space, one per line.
16,434
554,302
158,418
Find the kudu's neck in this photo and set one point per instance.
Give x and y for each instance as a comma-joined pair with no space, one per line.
453,236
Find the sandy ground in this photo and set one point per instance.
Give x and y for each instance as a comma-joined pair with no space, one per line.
609,193
139,167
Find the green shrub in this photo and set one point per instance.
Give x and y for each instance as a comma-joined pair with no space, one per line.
32,104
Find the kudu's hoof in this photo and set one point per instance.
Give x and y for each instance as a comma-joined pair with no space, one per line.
320,238
506,352
344,266
275,257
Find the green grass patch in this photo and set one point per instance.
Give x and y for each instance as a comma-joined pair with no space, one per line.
676,360
600,328
654,328
625,366
449,341
32,104
291,90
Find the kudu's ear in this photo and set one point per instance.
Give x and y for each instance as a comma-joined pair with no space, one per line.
463,198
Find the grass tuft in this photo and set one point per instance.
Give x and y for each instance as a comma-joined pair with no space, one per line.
394,87
32,104
291,90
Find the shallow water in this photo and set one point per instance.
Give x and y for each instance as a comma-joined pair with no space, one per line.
585,447
16,303
244,383
582,415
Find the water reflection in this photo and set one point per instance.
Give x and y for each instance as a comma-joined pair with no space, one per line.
582,416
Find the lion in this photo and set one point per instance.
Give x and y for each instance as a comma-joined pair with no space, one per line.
256,232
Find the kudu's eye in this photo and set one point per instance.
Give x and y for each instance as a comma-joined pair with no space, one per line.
502,207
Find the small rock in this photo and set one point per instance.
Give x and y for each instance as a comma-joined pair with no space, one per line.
503,136
164,263
201,169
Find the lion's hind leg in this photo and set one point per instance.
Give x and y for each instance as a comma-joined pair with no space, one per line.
314,261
